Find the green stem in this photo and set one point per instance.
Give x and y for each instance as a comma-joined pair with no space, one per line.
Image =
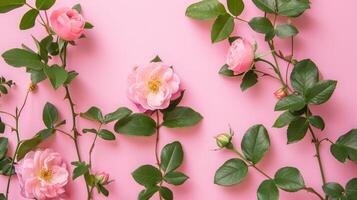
92,146
308,189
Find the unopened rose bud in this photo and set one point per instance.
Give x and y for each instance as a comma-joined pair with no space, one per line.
224,140
32,87
102,178
279,94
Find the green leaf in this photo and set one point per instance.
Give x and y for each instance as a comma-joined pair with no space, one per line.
148,193
255,143
80,169
351,189
29,19
284,119
2,127
106,134
37,76
2,196
171,157
304,75
346,147
261,25
8,5
3,89
136,125
232,172
291,102
266,5
222,28
249,79
23,58
297,130
225,71
181,117
321,92
88,25
49,115
333,190
235,7
268,191
31,144
289,179
339,152
147,175
166,193
44,4
206,9
119,114
292,8
286,30
71,76
103,190
57,75
317,122
6,167
4,144
78,8
93,114
175,178
156,59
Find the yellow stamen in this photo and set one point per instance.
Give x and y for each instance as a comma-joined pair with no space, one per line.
46,174
154,85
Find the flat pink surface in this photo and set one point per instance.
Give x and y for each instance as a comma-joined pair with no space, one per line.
129,33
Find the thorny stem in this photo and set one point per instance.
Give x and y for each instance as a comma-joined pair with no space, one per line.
17,118
308,189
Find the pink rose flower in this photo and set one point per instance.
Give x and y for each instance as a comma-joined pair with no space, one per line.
280,94
42,175
67,23
240,56
153,87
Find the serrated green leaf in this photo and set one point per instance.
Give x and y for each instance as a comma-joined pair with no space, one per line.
297,129
181,117
286,30
261,25
235,7
232,172
222,28
268,191
255,143
29,19
249,79
289,179
291,102
136,124
171,157
206,9
147,175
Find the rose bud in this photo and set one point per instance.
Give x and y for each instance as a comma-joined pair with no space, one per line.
280,94
240,56
102,178
67,23
224,140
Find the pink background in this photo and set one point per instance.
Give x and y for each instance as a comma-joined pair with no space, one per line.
129,33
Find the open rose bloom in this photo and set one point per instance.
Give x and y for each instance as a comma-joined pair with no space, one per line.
42,175
153,86
240,56
67,23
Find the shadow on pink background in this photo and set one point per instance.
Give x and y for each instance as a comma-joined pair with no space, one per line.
129,33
